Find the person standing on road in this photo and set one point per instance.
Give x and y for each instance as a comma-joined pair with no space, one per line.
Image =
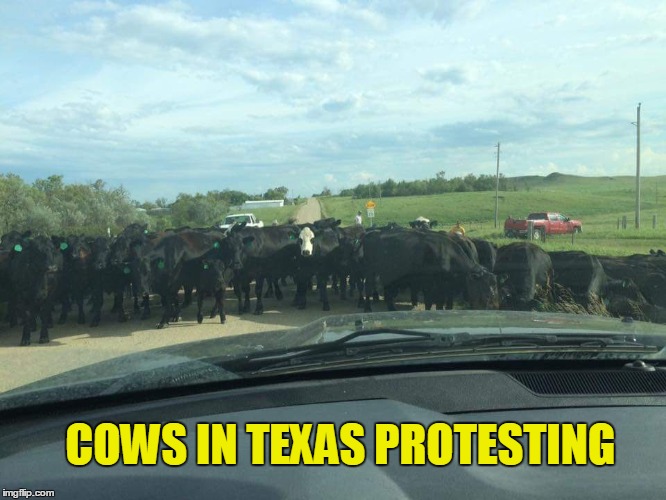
359,219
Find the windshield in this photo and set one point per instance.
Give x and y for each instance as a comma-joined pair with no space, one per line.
443,158
237,218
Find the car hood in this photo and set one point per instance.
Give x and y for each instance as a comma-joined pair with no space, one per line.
185,364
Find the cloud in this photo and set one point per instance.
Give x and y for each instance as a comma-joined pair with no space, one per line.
454,75
349,10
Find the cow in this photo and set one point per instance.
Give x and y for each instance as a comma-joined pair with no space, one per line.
412,255
165,258
100,278
525,274
34,270
260,254
486,251
648,272
320,255
125,270
76,276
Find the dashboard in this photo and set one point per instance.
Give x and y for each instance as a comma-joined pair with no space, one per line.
33,451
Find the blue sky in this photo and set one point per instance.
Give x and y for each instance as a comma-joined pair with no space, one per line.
169,97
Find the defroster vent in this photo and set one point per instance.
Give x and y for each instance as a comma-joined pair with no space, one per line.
593,382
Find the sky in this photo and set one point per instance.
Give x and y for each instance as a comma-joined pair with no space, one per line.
192,96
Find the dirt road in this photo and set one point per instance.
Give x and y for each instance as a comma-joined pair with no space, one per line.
309,212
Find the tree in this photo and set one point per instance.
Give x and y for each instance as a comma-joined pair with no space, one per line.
279,193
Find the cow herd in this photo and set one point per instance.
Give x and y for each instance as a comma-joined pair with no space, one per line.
38,273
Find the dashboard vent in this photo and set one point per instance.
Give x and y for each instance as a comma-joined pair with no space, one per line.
593,382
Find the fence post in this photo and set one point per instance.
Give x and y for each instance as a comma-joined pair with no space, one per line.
654,221
624,222
530,230
618,223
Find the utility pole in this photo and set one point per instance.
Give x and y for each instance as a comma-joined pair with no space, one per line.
497,188
638,165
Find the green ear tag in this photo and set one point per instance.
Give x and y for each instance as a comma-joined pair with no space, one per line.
292,237
216,244
64,246
205,266
126,270
145,231
18,248
160,264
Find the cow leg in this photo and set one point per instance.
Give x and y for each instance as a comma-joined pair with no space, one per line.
246,293
187,295
44,316
269,290
322,281
219,304
117,302
390,293
283,281
200,300
278,291
135,295
145,302
82,315
258,289
237,293
369,291
334,284
176,308
343,285
167,310
27,323
65,307
122,315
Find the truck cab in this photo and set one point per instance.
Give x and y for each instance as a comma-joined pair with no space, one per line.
249,219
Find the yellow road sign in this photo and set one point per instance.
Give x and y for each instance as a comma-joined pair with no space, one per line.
370,204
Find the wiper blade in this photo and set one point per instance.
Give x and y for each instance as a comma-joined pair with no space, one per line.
422,342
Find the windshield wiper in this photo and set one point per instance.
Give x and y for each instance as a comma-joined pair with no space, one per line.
409,342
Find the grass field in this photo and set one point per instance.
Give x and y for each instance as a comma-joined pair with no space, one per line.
597,201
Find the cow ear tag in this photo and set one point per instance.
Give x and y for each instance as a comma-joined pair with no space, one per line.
160,264
205,266
18,248
145,231
216,244
126,270
63,246
292,237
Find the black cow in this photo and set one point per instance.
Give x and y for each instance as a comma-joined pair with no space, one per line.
261,253
581,273
34,271
77,274
404,256
525,273
486,251
347,266
648,272
101,278
165,258
126,271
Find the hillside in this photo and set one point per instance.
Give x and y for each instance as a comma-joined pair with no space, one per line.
598,201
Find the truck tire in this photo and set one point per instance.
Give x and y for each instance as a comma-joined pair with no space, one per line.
508,234
538,235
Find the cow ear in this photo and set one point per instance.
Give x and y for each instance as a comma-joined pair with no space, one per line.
337,223
247,241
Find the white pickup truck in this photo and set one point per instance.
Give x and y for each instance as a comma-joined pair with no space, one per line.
249,219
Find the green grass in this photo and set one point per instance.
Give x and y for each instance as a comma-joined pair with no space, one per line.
598,202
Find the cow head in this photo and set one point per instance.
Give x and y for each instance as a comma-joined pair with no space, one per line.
99,248
482,289
306,241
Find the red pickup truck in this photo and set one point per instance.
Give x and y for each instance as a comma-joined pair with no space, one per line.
544,223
